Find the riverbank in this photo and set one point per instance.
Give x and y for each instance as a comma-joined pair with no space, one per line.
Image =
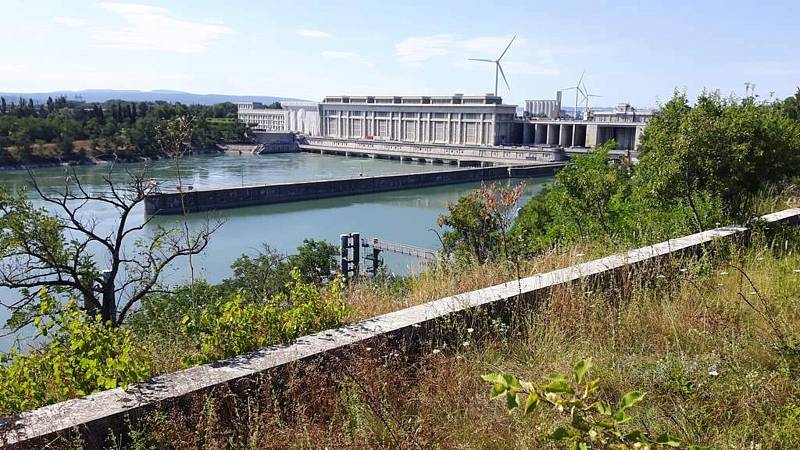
102,159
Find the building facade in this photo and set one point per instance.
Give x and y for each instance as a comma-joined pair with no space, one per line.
623,113
302,117
444,120
261,118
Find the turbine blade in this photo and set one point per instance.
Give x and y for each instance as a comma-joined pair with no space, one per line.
481,60
507,47
571,88
504,76
581,79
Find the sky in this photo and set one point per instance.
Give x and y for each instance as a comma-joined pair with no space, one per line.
631,51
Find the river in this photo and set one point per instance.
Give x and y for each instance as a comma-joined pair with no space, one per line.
402,216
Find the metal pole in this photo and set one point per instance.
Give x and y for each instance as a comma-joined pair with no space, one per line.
344,263
356,244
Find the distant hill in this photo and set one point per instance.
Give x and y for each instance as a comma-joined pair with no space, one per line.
101,95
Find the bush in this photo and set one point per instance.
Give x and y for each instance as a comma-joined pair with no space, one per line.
592,422
83,355
238,325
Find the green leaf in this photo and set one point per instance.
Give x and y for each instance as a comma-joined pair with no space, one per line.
620,416
498,390
511,400
557,386
531,403
494,378
581,368
560,434
603,408
668,441
630,399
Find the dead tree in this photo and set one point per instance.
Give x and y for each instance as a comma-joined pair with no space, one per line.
61,248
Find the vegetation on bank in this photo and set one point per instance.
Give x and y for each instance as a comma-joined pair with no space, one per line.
712,348
61,130
720,161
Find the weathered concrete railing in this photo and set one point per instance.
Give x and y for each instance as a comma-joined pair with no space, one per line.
235,197
96,413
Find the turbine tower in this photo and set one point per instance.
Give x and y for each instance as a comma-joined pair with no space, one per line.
498,69
578,90
586,96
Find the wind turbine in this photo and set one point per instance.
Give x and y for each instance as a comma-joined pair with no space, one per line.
498,69
578,90
586,96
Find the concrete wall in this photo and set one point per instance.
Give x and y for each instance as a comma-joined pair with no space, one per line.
214,199
94,415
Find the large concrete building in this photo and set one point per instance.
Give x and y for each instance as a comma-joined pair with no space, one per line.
261,118
446,120
302,117
293,116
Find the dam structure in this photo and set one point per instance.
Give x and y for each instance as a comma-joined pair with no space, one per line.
457,129
196,200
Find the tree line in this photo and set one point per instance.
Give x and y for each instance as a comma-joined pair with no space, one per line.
719,161
48,132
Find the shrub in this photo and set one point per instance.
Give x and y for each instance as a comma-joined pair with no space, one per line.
83,355
592,423
238,325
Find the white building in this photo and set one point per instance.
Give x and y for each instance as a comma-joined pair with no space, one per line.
302,117
297,117
261,118
456,119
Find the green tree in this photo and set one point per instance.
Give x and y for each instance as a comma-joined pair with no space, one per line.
726,148
42,250
477,224
589,199
315,260
792,106
261,276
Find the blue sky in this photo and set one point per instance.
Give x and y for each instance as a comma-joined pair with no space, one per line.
635,51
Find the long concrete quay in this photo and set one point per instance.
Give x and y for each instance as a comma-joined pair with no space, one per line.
444,153
166,203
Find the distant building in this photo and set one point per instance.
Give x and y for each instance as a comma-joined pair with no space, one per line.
302,117
549,109
293,116
455,119
623,113
261,118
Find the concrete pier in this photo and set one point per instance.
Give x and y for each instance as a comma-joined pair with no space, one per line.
165,203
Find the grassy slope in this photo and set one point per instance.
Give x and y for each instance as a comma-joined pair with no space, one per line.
668,334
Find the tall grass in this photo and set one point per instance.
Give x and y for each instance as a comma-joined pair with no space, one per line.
715,343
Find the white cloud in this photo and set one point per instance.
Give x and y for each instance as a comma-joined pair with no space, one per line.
314,33
150,28
416,50
131,8
73,22
332,54
523,58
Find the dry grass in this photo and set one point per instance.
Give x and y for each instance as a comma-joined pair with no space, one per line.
370,298
717,370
